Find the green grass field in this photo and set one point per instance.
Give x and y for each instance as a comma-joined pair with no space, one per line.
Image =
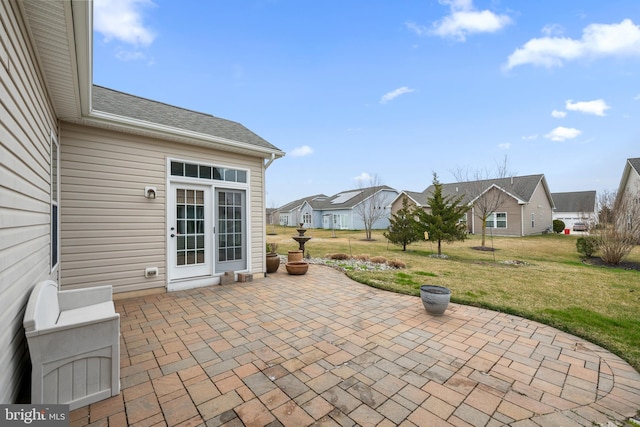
540,278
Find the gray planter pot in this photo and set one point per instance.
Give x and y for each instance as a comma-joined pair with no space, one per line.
435,298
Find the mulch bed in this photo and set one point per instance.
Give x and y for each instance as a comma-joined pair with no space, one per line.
625,265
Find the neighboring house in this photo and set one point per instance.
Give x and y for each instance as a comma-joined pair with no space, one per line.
297,212
526,209
342,211
575,206
101,187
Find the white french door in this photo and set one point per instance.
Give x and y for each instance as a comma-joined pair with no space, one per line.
231,230
190,243
207,231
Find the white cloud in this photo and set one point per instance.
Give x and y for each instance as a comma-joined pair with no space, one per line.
637,97
530,137
122,20
463,20
558,114
363,177
394,94
597,107
420,30
303,151
504,146
128,55
597,40
562,133
552,30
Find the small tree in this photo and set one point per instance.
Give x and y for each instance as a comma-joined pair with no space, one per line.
486,198
587,246
558,226
403,228
372,204
619,229
442,221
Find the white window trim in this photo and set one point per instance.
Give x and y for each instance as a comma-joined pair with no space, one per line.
492,221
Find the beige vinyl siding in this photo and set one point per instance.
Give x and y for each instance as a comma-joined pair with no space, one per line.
110,231
541,207
27,122
514,218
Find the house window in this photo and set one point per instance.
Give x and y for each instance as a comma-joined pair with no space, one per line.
192,170
497,220
533,220
306,218
55,192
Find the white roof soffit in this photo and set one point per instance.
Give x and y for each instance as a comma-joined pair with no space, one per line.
60,33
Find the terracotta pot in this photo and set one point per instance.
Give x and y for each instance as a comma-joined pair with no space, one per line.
295,256
273,262
297,267
435,299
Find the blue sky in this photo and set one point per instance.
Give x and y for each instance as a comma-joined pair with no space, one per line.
394,90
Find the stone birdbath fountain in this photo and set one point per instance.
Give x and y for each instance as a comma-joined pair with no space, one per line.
301,238
295,264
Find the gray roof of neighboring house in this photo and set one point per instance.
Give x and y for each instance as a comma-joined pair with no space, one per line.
521,187
575,201
131,106
297,203
343,200
347,199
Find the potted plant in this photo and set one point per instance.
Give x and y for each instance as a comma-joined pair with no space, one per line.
273,259
435,298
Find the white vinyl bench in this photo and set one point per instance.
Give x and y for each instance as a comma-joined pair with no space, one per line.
74,344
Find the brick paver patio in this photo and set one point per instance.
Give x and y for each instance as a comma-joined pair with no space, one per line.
320,349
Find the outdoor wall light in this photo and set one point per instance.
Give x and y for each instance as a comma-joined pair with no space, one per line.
150,192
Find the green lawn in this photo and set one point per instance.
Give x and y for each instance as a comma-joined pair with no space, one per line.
540,277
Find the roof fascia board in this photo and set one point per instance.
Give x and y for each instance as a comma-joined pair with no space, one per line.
625,176
128,123
404,194
81,12
547,191
518,199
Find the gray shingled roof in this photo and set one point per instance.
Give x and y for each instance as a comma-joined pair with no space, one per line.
347,199
635,163
297,203
521,187
575,201
122,104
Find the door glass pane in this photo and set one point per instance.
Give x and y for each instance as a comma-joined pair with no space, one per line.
230,226
190,230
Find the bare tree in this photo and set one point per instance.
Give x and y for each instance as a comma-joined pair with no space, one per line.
619,228
372,204
485,197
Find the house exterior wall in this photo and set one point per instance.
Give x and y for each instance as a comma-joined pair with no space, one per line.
540,207
291,218
514,218
633,184
26,130
396,205
110,231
